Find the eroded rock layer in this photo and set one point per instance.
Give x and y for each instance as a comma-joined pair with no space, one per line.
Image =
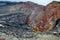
29,15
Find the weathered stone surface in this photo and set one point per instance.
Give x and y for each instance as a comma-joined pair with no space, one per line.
52,14
20,13
45,20
23,19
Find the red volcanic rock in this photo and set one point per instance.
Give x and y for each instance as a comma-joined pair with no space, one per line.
40,18
45,19
51,15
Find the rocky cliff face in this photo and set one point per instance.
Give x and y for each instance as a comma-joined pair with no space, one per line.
24,14
46,21
52,14
15,17
23,19
26,8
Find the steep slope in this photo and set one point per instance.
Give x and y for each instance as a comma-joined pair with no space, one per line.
52,14
15,17
40,18
27,8
46,19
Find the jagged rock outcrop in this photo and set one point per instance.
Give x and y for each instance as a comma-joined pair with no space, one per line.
46,21
24,14
26,8
15,17
52,14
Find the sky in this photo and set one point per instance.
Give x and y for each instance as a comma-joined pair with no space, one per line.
41,2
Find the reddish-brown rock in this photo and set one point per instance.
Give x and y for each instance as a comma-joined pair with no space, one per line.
51,15
44,22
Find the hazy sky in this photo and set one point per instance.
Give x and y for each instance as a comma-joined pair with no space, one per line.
42,2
